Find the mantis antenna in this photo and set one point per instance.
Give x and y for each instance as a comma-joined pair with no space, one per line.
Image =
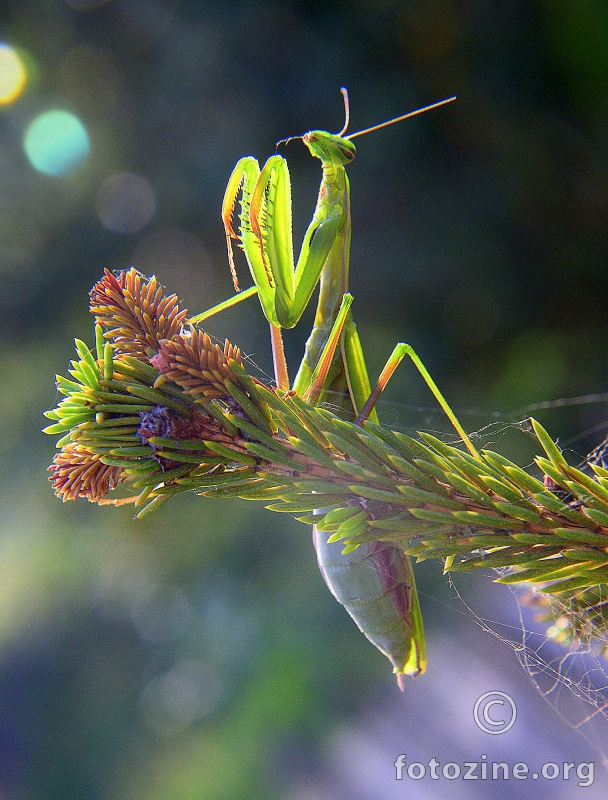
390,121
344,93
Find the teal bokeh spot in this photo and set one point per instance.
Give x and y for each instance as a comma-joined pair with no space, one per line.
56,143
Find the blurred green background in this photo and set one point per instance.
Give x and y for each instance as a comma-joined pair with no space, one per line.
197,653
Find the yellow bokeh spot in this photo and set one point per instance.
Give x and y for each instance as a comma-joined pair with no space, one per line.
12,74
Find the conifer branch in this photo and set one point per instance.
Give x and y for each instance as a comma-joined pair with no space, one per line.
161,410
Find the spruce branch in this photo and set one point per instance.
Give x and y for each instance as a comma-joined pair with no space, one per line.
161,410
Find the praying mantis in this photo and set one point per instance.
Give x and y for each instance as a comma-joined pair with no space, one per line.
375,581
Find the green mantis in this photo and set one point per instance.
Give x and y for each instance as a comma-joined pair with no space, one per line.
375,582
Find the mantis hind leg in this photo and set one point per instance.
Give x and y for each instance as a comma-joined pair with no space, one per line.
401,350
355,370
340,371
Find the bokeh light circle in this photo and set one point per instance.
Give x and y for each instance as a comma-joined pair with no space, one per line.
12,74
125,202
56,142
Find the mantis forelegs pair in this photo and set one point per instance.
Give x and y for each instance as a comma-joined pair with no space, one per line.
375,582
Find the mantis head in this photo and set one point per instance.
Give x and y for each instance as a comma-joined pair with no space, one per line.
329,147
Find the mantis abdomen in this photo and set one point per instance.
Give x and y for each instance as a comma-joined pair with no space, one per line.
375,584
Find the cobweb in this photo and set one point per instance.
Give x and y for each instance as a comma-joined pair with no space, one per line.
571,677
561,644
